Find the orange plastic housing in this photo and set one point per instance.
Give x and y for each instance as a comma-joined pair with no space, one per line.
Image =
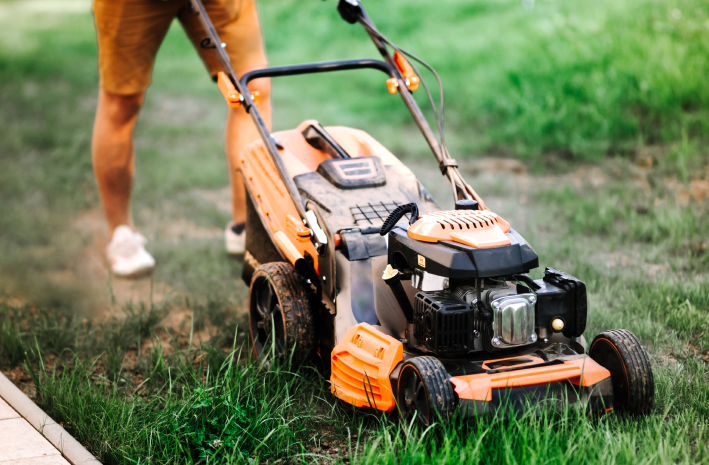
287,247
580,372
477,228
406,70
296,227
361,365
231,95
392,85
269,193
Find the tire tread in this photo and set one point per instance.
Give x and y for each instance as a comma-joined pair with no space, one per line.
441,396
295,305
641,382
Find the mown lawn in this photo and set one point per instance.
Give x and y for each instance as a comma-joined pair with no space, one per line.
605,103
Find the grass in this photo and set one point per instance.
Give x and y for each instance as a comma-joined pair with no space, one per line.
215,405
580,78
618,86
219,407
217,412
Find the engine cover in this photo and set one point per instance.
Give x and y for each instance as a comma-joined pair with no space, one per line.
443,322
455,260
513,320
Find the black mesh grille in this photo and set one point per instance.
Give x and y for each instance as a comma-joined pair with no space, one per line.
372,213
443,322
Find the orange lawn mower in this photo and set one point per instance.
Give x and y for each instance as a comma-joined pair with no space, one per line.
352,263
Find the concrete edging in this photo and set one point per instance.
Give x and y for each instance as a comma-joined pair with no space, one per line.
70,448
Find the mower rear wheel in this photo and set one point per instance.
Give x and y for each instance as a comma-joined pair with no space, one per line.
620,352
280,314
424,392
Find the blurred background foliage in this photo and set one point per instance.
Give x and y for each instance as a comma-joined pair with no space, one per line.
582,79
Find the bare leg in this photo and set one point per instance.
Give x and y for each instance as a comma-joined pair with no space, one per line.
240,132
113,154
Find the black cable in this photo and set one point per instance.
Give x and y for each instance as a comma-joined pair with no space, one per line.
439,120
440,88
423,81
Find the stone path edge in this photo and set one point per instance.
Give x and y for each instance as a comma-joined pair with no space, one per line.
70,448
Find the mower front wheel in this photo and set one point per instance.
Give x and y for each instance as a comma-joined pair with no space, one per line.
424,392
280,314
620,352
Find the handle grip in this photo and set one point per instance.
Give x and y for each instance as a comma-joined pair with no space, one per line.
397,214
350,10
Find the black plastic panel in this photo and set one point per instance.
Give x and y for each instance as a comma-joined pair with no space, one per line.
335,204
352,246
459,261
576,300
362,292
560,295
358,246
354,173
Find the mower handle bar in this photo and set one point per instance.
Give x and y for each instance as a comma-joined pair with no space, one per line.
322,67
360,15
260,124
353,12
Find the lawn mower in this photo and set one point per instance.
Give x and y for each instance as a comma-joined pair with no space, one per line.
350,261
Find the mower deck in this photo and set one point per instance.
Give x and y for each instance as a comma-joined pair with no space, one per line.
553,374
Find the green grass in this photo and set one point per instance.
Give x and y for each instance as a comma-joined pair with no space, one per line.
615,214
601,82
215,405
580,78
219,412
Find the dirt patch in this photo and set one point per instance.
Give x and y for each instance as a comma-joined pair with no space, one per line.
646,157
93,271
669,356
624,260
699,190
22,379
117,293
593,175
177,325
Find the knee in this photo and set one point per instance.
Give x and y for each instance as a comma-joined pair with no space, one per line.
119,110
263,87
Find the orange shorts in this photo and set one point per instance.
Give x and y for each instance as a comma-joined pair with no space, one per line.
130,32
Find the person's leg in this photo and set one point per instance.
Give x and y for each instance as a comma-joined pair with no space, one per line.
129,33
113,154
240,132
238,26
113,160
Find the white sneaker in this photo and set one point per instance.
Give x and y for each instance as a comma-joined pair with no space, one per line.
126,253
235,243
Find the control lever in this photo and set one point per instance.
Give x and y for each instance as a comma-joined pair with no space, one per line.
319,237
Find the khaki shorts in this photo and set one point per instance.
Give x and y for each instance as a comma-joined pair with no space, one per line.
130,32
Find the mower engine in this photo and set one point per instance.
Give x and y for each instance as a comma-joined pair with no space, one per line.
469,268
